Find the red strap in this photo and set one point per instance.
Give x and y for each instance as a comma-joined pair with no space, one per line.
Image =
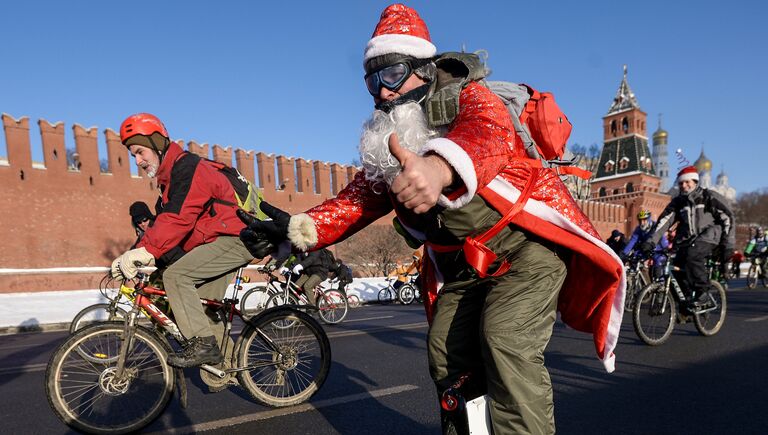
573,170
479,256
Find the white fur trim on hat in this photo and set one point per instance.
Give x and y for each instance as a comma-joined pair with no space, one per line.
302,232
409,45
688,176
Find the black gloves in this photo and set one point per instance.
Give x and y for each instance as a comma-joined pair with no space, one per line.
262,237
647,248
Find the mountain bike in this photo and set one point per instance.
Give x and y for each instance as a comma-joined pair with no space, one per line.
637,279
658,307
113,377
756,271
115,309
406,293
331,305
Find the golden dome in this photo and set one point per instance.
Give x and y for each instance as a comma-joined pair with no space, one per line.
660,133
703,164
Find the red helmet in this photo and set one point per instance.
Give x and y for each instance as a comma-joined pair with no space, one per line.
144,124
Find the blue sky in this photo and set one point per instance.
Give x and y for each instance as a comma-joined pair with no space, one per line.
286,77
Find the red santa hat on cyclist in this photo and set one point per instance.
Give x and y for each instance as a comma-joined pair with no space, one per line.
688,173
400,30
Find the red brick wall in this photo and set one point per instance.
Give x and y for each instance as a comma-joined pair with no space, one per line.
61,217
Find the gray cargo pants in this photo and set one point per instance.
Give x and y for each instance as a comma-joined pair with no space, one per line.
497,331
204,272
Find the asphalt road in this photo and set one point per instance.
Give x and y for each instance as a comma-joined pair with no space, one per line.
379,383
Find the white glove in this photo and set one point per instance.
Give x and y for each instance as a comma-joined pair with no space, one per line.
284,270
128,264
297,269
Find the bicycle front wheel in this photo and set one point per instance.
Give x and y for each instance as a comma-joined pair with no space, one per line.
92,396
752,276
653,316
332,306
254,301
94,314
710,318
286,366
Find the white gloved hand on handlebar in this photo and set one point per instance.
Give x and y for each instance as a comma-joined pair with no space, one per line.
297,269
128,264
284,270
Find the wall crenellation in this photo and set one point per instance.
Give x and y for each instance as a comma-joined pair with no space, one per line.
296,176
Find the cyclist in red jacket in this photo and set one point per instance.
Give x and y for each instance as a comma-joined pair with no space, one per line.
197,213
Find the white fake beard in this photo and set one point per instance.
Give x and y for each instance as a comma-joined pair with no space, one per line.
409,122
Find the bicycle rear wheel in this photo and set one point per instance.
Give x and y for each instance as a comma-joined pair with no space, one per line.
653,316
90,397
711,317
332,306
286,366
353,301
386,295
254,301
94,314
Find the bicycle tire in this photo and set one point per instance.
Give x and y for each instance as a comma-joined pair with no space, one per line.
101,313
653,316
385,296
632,290
353,301
258,294
278,300
709,322
332,306
113,402
292,376
407,294
752,277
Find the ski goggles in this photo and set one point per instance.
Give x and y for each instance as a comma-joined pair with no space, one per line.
392,76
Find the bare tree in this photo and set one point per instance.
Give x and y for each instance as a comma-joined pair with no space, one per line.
374,250
585,159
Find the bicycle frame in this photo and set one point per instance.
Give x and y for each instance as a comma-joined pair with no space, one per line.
142,302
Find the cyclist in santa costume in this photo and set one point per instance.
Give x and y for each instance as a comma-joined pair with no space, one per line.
506,244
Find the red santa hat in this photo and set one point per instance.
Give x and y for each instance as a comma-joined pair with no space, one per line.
688,173
400,30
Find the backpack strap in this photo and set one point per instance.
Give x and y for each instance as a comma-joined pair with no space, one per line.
530,106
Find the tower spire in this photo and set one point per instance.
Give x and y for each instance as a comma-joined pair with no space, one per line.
625,98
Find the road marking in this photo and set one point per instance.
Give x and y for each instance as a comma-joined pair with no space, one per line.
23,369
280,412
379,329
368,318
757,319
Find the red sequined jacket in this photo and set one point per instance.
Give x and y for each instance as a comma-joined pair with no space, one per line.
487,155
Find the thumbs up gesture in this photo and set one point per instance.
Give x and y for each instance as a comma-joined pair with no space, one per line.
422,179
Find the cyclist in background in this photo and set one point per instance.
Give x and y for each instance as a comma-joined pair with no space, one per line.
758,246
141,219
312,268
704,222
342,272
642,233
